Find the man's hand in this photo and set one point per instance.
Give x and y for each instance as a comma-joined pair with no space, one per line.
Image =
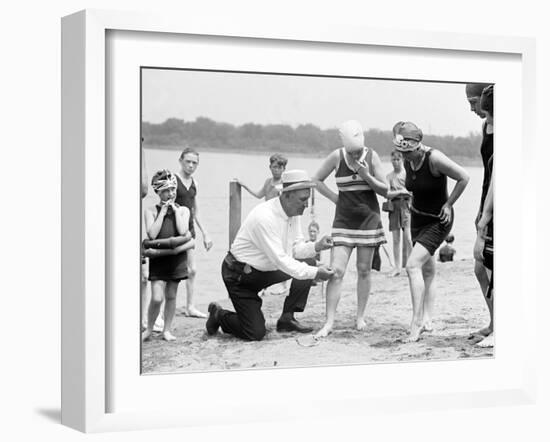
324,273
325,243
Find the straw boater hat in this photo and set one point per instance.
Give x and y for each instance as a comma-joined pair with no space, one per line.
296,180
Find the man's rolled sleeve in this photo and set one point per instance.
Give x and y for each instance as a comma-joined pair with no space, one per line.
269,242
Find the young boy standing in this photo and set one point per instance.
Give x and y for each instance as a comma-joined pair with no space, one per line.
272,186
400,214
186,195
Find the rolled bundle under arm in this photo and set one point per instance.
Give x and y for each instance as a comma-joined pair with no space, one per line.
157,253
166,243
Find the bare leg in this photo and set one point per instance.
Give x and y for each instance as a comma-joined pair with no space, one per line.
396,234
364,264
428,274
417,258
170,309
143,292
159,323
340,258
483,279
407,241
157,296
190,309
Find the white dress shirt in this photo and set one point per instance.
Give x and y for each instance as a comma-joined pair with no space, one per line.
270,240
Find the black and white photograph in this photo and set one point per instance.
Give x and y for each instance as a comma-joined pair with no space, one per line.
306,220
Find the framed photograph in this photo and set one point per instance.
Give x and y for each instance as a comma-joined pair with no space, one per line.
198,122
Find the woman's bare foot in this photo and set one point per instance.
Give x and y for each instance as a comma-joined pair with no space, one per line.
488,342
159,325
167,336
483,333
395,272
192,312
414,335
427,326
361,324
324,332
146,335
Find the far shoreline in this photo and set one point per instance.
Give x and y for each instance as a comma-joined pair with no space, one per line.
464,161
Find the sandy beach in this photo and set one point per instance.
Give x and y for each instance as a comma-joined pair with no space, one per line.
460,310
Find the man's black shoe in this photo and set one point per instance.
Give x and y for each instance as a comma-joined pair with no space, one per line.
292,325
213,323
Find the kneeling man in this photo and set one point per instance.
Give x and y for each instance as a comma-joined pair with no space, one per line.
265,252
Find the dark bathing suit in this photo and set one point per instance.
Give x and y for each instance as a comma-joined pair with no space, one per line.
429,194
173,267
186,197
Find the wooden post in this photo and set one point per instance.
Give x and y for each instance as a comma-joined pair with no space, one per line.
235,206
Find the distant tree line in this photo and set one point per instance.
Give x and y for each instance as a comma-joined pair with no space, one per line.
204,133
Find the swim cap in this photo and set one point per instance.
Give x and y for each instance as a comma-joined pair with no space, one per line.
407,136
475,89
163,179
351,134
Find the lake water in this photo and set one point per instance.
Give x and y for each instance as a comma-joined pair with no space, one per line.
216,170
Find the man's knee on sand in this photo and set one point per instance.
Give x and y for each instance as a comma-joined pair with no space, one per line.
256,333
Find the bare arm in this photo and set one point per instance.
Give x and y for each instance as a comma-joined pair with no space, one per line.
374,177
328,166
487,213
205,237
445,166
153,221
258,194
182,219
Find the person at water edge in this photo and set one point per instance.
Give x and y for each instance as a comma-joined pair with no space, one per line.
166,220
473,95
273,185
399,213
186,195
265,252
357,223
483,248
432,217
447,252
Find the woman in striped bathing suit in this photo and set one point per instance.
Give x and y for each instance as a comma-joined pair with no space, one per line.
357,223
431,216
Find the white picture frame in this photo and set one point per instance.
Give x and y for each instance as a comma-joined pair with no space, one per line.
85,214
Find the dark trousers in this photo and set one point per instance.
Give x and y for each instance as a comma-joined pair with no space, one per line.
243,284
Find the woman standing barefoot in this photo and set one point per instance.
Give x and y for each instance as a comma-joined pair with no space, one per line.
357,222
431,216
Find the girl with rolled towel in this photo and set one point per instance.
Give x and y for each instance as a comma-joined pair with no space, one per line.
167,227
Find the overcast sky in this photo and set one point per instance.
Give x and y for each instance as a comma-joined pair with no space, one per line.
438,108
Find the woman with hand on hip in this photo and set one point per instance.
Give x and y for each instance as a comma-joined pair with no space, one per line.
357,223
431,216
